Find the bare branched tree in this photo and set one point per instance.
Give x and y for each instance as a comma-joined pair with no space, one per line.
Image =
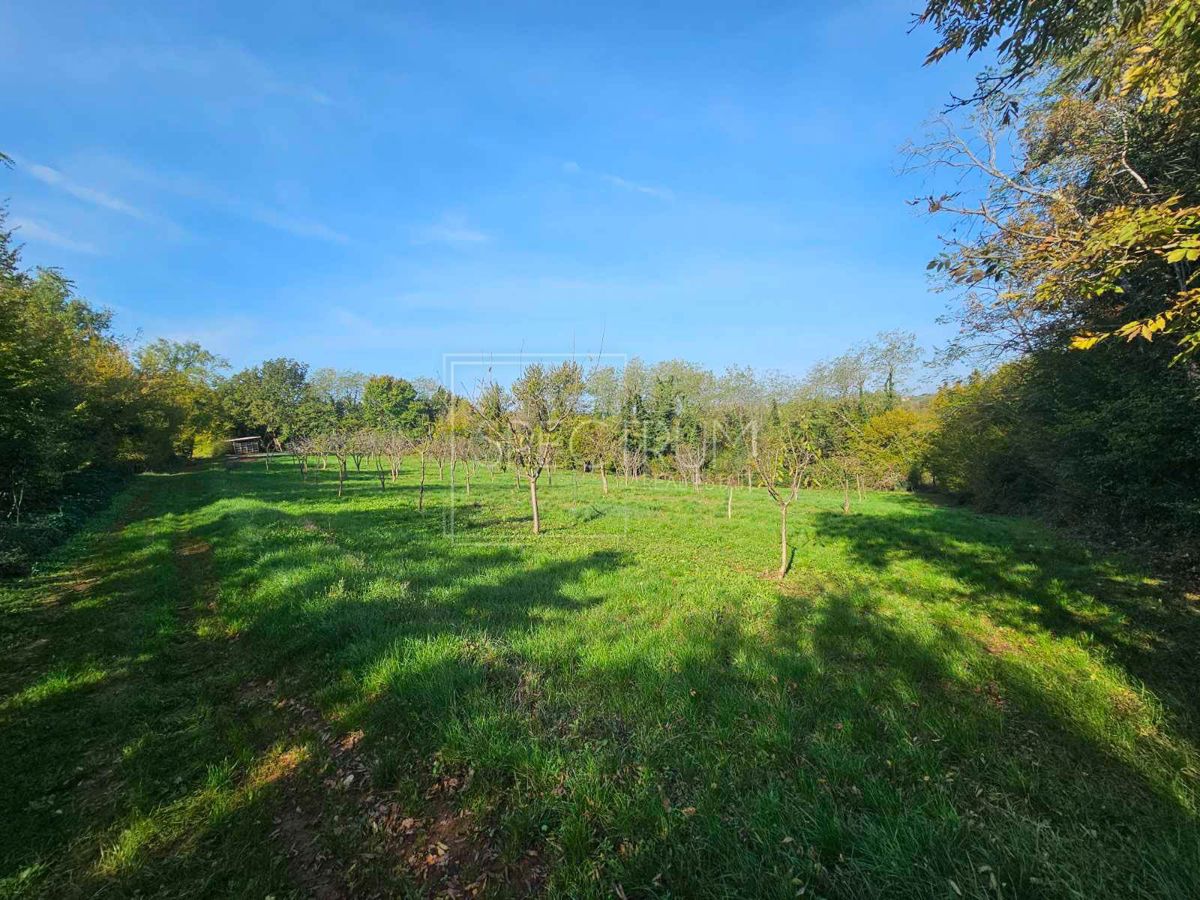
689,461
301,449
633,459
360,444
782,454
394,445
338,444
529,418
320,448
423,446
371,443
441,447
846,467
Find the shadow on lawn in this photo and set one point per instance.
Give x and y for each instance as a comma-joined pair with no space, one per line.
834,727
1025,580
157,724
957,723
832,722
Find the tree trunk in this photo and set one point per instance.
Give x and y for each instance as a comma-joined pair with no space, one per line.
783,554
604,480
845,496
729,502
341,476
858,481
467,469
533,502
421,489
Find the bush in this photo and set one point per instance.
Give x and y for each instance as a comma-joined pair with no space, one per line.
1106,441
893,447
84,495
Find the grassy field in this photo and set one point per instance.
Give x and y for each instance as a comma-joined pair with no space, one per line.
237,684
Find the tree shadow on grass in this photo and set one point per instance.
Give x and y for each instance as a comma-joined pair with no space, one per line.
897,753
1021,577
334,599
931,748
109,665
885,751
325,609
892,747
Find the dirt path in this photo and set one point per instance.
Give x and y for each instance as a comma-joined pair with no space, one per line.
343,836
167,683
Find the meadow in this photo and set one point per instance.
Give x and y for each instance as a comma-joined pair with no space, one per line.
237,684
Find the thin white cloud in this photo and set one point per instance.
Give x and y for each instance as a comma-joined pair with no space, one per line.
273,218
29,229
647,189
573,168
56,179
201,192
451,229
219,67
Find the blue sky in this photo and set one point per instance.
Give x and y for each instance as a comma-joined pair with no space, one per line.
371,186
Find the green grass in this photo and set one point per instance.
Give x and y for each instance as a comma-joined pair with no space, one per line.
933,703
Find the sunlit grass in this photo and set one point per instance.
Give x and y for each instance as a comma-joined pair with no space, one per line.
930,696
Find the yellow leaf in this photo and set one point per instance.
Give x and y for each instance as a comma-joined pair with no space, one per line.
1085,341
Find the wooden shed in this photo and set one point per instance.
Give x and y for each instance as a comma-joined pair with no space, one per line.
245,446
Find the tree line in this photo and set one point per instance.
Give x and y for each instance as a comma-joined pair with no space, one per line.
846,425
81,401
1072,181
79,406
